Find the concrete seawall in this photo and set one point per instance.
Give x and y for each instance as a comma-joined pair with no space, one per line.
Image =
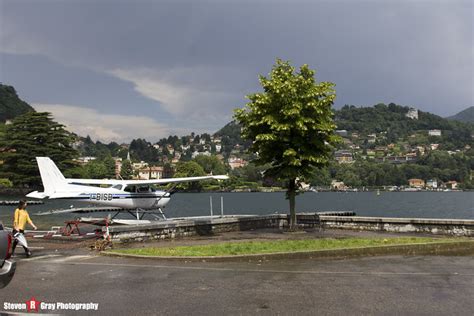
205,226
452,227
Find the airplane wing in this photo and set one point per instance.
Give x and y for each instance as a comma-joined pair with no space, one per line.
81,210
144,182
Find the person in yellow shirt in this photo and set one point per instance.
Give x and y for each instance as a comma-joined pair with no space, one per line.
20,219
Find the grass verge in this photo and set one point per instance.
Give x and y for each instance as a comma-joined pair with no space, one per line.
278,246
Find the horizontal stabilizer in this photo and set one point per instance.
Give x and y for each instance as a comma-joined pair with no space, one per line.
37,195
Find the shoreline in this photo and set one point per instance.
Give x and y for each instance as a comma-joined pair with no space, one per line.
16,192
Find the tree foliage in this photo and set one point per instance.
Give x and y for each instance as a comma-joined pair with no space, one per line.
11,105
31,135
211,164
127,171
291,125
189,169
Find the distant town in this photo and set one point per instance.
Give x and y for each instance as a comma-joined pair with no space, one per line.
383,147
355,147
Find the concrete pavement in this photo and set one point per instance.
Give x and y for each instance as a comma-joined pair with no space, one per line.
378,285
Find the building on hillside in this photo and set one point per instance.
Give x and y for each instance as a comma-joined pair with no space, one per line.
370,153
434,132
200,153
432,184
218,148
453,185
156,172
421,150
338,185
396,159
136,166
416,183
412,113
341,132
235,162
380,151
84,160
344,156
434,146
144,174
371,138
411,157
118,167
150,173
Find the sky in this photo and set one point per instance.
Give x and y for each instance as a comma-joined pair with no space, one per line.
125,69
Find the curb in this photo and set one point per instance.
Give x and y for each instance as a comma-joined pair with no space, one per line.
440,248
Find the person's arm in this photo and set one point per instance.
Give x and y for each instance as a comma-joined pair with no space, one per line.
15,220
31,222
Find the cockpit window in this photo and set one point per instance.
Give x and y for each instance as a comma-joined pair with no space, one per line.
130,188
143,189
118,187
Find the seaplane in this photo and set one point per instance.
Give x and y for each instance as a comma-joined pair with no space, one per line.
136,197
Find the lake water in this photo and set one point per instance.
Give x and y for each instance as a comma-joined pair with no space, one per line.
456,205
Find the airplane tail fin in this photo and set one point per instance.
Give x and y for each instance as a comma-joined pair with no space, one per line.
52,178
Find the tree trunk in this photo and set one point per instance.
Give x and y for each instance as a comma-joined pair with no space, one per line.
292,198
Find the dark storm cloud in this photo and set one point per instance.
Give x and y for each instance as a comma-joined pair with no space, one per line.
197,60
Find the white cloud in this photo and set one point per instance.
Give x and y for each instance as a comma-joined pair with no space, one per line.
107,127
196,93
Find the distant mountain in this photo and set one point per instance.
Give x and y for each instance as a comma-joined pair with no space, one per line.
11,105
466,116
389,119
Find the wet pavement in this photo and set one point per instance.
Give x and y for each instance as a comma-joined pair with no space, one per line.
412,285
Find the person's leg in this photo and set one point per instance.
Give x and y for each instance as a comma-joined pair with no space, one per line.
27,251
15,242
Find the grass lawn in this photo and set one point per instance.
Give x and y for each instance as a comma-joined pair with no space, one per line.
266,247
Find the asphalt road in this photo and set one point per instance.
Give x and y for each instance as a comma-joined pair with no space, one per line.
368,286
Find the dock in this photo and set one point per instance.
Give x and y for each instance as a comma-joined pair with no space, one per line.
8,202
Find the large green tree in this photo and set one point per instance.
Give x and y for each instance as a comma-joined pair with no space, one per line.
189,169
290,125
31,135
211,164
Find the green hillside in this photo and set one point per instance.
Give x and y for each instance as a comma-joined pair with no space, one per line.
10,104
466,116
392,121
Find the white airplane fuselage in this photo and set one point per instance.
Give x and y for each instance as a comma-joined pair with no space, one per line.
116,198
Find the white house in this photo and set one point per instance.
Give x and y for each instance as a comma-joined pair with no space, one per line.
412,113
